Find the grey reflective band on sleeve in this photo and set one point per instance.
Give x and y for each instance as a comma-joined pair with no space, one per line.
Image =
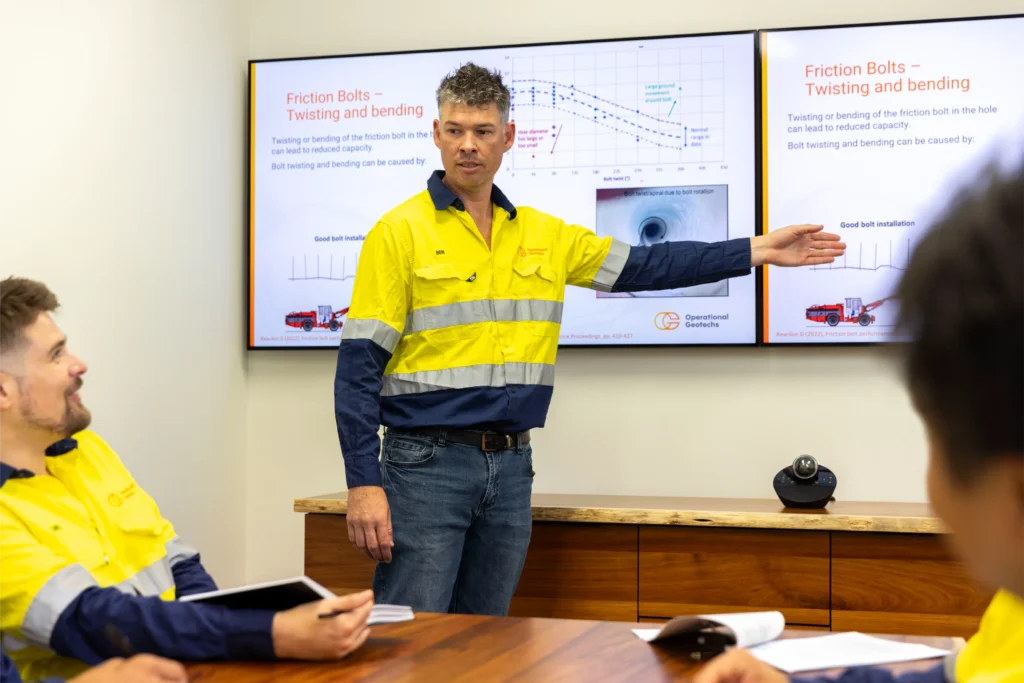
156,579
483,310
468,377
530,373
612,267
51,600
177,550
380,333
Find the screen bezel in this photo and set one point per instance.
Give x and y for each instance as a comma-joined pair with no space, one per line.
762,302
250,199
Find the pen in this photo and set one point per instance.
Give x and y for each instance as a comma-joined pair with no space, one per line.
329,615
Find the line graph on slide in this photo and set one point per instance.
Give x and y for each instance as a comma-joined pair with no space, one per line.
619,108
304,270
883,255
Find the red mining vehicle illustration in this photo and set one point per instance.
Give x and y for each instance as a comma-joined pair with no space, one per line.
854,312
322,317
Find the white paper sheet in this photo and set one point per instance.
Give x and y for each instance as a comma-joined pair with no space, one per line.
647,634
839,650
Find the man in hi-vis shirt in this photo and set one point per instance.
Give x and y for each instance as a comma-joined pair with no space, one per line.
450,344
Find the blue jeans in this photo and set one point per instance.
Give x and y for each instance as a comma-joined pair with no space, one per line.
461,522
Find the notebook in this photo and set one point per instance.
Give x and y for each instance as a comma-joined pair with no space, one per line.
743,629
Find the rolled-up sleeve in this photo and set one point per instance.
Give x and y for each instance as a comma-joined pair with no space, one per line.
609,265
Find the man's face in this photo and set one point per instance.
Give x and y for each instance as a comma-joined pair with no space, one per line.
39,383
985,516
472,141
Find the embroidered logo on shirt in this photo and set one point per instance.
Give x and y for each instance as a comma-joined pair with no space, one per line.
439,252
524,252
117,499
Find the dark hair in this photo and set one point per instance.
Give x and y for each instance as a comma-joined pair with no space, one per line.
21,302
475,86
962,306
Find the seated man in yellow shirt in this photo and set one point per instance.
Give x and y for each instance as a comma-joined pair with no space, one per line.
91,569
962,306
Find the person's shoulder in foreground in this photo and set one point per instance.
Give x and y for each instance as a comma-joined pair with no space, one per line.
91,569
962,309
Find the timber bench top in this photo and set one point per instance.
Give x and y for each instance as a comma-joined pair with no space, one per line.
744,513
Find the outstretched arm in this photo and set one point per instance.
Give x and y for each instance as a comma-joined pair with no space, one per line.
609,265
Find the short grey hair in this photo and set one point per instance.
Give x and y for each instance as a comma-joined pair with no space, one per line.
475,86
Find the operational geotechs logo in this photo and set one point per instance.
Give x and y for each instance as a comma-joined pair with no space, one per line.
666,321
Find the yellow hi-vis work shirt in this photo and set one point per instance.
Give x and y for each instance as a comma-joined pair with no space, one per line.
995,654
87,525
443,331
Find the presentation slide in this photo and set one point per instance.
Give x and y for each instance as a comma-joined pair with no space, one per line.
869,131
644,140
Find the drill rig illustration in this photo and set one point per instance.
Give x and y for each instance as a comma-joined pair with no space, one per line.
323,317
854,311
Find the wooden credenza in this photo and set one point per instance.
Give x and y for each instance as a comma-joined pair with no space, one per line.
873,567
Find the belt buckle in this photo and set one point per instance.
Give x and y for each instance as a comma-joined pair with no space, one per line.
483,442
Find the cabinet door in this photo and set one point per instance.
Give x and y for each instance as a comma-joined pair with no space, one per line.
579,571
687,570
901,583
331,560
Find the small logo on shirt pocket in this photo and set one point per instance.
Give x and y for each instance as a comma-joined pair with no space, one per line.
439,252
117,499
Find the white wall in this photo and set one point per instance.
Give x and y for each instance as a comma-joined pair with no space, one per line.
711,421
123,189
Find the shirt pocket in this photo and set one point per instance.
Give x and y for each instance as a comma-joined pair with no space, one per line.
540,283
441,311
139,516
536,278
79,545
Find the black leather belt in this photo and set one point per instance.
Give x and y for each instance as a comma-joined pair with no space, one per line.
485,441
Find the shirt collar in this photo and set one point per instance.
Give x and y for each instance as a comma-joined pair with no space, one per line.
443,197
59,448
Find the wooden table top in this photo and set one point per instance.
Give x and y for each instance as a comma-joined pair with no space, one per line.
750,513
452,648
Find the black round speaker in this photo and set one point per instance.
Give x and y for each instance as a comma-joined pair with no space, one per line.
805,484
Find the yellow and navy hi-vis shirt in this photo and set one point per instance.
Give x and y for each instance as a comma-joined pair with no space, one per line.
88,567
443,331
996,652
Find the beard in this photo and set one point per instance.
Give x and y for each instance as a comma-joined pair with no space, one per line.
76,416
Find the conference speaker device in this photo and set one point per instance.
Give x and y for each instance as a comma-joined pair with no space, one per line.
805,484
